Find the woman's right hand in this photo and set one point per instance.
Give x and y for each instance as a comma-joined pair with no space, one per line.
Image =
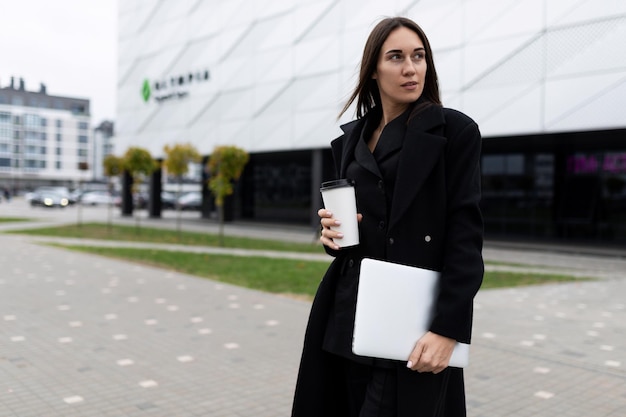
328,235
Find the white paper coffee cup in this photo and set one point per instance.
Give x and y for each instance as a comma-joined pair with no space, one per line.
339,197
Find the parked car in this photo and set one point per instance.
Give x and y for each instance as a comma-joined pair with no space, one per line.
63,191
168,200
75,195
94,198
190,201
140,200
48,198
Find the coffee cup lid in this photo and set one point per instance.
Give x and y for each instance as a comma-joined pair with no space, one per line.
337,183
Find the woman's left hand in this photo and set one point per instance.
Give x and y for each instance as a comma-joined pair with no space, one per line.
431,353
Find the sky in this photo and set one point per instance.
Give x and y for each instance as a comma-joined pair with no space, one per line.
68,45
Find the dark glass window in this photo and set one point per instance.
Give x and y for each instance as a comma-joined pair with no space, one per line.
277,187
83,139
78,109
569,186
32,135
32,120
6,132
517,193
5,162
593,195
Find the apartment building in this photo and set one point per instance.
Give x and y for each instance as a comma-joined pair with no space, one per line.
44,139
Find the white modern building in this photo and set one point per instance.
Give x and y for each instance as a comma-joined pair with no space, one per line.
544,79
102,147
44,139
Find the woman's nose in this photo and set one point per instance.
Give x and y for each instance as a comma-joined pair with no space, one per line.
408,68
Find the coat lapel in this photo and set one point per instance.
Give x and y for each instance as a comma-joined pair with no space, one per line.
423,144
345,145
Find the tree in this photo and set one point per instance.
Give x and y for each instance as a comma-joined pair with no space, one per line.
138,163
113,166
225,166
177,163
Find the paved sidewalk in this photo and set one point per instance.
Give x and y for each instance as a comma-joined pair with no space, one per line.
89,336
83,335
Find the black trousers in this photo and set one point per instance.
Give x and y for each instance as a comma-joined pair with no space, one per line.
372,390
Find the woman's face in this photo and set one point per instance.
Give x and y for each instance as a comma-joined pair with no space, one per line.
401,68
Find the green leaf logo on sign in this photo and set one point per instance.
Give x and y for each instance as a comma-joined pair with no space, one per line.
145,90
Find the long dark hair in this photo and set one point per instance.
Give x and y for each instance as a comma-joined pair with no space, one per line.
366,92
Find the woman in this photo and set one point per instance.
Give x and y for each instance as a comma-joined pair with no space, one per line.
417,175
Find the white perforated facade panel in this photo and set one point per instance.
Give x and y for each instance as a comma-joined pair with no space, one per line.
278,71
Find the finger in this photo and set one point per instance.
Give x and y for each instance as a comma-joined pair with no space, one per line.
438,369
332,235
414,359
433,363
423,365
324,213
329,222
329,242
328,235
359,217
418,367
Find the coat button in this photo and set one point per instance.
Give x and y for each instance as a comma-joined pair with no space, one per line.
391,241
351,263
427,238
381,185
381,225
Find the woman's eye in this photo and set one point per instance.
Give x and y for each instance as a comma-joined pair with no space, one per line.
396,57
419,56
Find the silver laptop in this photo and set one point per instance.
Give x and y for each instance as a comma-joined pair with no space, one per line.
394,309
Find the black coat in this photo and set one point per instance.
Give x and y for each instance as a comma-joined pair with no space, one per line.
434,222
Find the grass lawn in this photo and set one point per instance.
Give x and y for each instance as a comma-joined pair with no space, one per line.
281,276
13,219
155,235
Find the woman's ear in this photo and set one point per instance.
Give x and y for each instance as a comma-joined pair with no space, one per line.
374,76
